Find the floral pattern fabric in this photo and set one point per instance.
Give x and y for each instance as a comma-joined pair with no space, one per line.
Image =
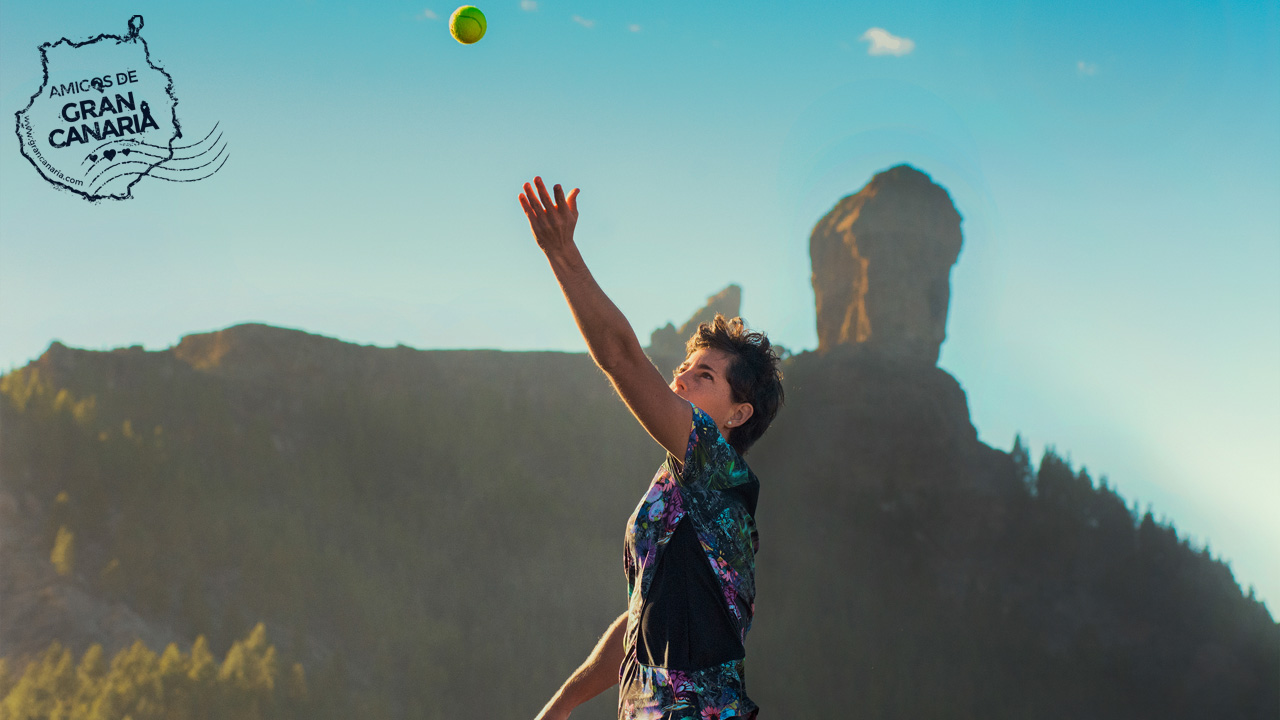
727,533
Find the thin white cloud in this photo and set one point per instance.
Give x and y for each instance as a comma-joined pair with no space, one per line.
1085,68
428,15
633,27
583,21
885,43
529,5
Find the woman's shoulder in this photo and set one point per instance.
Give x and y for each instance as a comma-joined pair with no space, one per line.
710,459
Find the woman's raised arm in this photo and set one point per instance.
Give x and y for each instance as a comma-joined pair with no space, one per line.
610,340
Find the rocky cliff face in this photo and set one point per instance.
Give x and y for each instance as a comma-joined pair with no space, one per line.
666,344
882,267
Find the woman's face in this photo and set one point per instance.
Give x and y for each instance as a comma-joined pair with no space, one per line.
703,380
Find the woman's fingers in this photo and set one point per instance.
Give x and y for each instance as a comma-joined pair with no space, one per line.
530,202
543,194
541,203
532,199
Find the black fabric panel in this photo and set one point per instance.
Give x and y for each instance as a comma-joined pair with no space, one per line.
685,622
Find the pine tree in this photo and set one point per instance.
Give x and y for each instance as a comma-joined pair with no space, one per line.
63,555
1021,459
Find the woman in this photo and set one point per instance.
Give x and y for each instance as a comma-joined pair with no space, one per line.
690,545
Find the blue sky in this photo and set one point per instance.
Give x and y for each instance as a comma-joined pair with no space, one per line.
1116,166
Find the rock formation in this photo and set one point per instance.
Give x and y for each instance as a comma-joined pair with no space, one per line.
666,344
882,267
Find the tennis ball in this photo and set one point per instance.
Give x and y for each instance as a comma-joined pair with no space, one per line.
467,24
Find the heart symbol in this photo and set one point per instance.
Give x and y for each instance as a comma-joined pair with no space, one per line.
111,154
124,151
94,157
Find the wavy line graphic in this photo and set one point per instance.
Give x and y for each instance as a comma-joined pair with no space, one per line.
155,171
209,151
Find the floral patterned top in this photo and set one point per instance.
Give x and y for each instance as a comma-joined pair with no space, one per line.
715,492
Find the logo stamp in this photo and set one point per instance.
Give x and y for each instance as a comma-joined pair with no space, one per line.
105,117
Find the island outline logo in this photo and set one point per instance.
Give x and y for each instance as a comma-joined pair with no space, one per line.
105,117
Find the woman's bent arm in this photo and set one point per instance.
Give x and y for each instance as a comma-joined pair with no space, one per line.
597,674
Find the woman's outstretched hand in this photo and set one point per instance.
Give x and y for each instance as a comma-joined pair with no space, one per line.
552,222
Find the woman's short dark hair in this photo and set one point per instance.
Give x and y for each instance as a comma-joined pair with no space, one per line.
754,375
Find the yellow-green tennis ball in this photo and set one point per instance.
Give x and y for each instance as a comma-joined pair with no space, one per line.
467,24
